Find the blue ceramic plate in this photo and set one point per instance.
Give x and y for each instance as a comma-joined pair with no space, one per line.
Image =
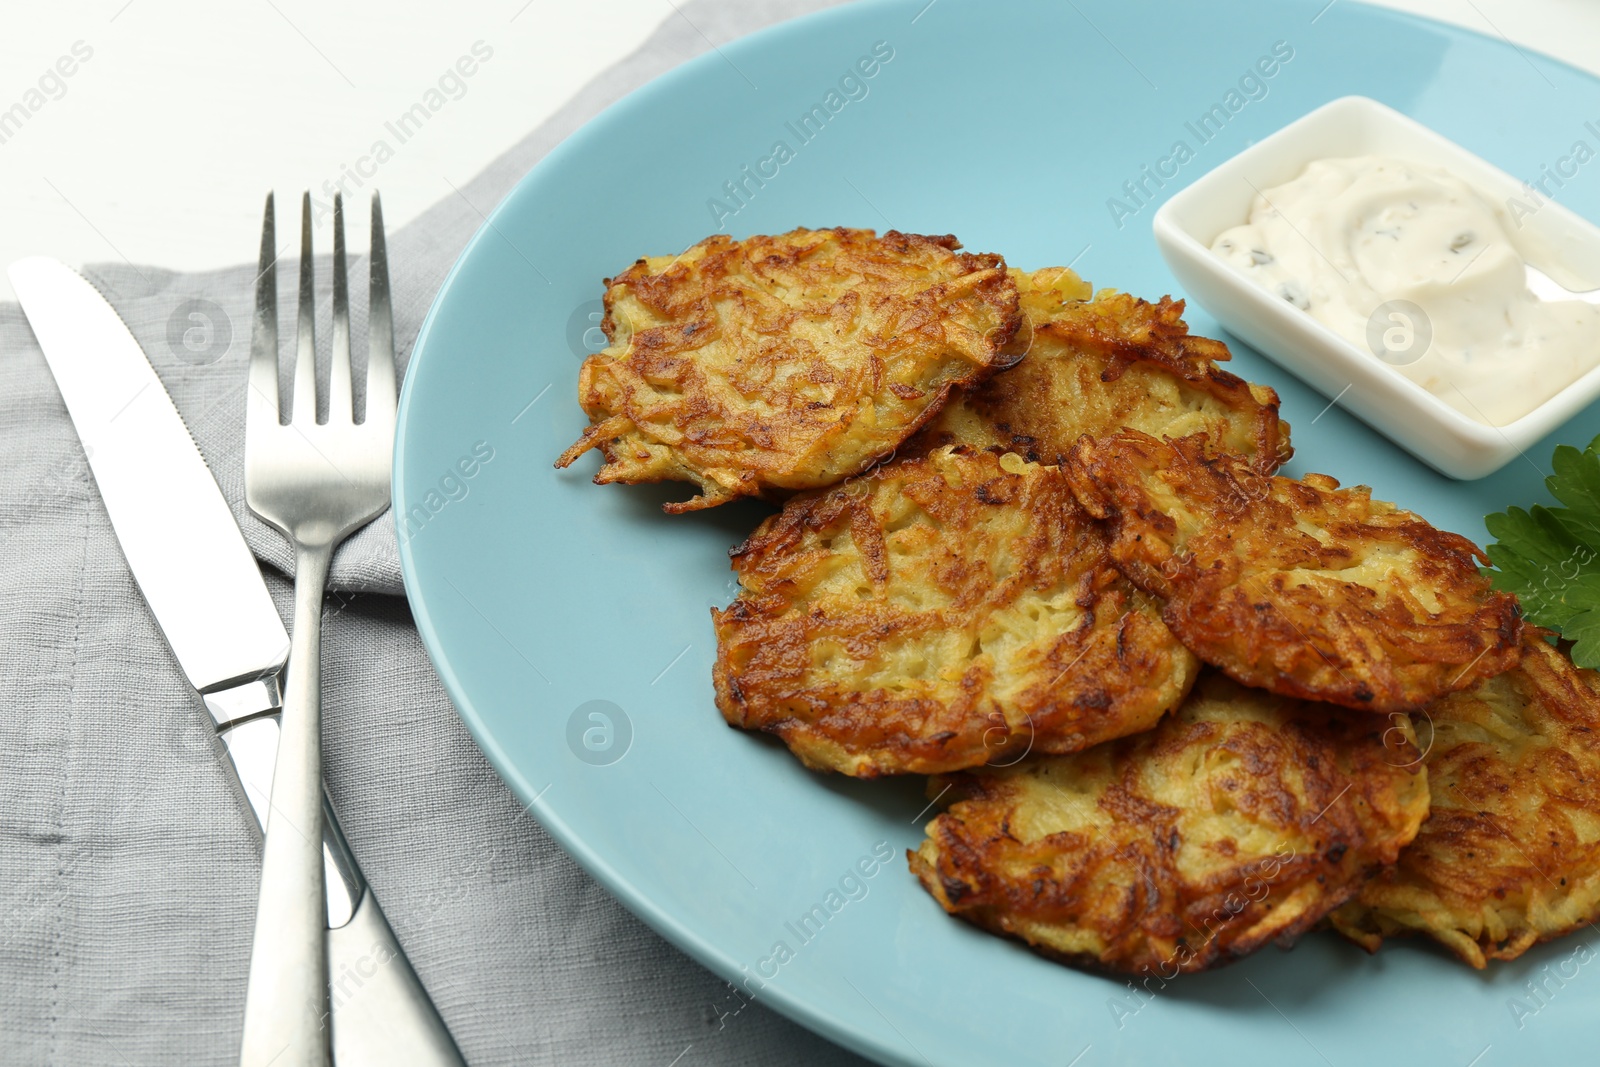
571,624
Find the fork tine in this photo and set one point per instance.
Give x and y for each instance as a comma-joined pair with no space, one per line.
340,408
305,363
380,328
261,405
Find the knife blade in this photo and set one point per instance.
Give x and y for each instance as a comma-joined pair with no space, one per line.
207,595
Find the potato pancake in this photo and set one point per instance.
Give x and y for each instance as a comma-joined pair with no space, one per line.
1095,366
773,364
1297,586
1510,855
938,613
1242,818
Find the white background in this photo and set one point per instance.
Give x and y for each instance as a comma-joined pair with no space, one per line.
165,142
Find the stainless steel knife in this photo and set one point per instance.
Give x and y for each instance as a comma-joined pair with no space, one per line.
207,595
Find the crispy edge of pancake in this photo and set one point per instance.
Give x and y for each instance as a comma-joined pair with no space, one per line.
1272,579
1510,855
919,584
1132,348
1243,818
702,380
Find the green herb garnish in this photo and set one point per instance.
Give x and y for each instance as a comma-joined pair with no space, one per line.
1550,557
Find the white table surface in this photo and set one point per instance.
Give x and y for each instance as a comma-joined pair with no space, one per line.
160,147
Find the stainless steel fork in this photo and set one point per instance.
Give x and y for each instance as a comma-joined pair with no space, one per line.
317,483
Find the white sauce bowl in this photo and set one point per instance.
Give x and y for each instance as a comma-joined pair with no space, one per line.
1562,243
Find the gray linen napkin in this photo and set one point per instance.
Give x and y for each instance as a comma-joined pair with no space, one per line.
127,873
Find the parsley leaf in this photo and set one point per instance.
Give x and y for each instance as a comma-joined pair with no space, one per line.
1550,557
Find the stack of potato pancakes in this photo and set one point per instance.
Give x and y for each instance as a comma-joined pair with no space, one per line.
1032,544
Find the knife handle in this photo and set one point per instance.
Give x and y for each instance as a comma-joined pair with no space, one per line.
382,1016
381,1013
252,747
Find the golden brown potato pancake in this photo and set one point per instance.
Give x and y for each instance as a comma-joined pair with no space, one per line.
757,367
1299,587
935,614
1242,818
1510,855
1095,366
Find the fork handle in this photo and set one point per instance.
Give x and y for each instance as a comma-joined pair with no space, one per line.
286,1001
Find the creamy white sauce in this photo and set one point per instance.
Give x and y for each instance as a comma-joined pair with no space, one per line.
1349,237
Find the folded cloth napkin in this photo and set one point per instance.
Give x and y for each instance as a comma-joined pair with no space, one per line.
127,869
